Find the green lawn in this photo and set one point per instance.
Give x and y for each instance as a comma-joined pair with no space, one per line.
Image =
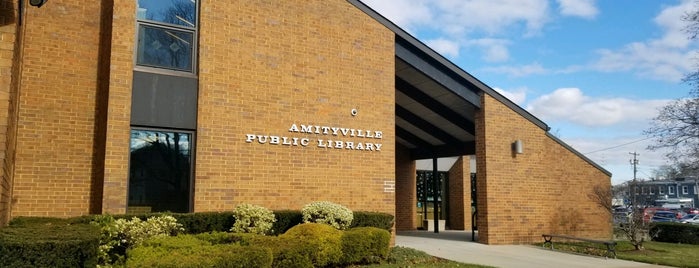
677,255
669,254
407,257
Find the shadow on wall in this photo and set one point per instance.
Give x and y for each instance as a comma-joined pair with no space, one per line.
566,222
7,12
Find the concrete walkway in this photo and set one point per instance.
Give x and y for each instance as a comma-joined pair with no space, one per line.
457,246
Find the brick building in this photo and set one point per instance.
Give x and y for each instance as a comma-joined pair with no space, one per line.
145,105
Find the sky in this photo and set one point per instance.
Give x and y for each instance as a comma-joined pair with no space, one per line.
596,71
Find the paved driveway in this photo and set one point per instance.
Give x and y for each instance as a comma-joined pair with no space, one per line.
457,246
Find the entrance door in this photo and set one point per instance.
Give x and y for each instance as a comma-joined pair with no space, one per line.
426,197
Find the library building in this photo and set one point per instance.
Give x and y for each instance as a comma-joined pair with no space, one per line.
194,106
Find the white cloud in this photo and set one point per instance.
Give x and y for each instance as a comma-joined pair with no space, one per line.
578,8
407,14
455,21
571,105
444,47
518,95
494,49
667,58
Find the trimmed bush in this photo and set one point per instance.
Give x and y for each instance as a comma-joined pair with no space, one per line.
329,213
48,243
372,219
288,252
252,219
202,222
189,251
675,233
364,245
285,220
320,242
117,236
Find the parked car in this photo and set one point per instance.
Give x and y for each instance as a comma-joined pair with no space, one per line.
664,216
690,218
692,210
649,212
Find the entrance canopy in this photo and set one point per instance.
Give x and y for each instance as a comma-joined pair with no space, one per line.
436,101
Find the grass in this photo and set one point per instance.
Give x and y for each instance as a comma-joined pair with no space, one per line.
677,255
408,257
669,254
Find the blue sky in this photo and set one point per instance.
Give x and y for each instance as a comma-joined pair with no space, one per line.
595,71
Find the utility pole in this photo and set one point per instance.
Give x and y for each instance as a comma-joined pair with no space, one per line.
634,162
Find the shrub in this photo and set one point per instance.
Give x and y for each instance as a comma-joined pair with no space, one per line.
285,220
320,242
119,235
288,252
675,233
372,219
202,222
326,212
252,219
365,245
189,251
48,243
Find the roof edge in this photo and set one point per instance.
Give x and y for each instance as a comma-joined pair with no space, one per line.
400,33
576,152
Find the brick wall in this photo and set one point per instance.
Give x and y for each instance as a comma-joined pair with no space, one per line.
543,190
118,113
8,73
56,115
460,195
406,192
265,65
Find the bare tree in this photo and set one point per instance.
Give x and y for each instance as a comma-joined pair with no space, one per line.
631,224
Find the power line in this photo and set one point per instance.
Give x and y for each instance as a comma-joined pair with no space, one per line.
617,146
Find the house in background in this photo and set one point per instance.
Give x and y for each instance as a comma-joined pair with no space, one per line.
675,193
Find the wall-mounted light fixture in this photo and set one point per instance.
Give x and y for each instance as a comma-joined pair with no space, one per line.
37,3
518,147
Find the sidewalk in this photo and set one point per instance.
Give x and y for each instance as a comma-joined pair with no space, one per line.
457,246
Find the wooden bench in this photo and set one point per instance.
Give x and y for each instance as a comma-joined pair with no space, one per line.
611,245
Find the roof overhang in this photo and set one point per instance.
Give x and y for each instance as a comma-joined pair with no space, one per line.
436,101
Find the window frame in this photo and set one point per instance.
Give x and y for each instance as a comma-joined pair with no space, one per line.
671,189
193,72
685,189
192,157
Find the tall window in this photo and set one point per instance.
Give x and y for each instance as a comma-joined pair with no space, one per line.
661,190
160,171
167,34
671,189
685,189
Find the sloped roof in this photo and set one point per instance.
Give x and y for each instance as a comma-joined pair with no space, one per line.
436,100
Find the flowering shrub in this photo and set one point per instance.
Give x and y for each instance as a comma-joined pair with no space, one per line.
252,219
119,235
326,212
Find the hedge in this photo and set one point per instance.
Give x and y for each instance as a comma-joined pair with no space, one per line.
189,251
675,233
48,243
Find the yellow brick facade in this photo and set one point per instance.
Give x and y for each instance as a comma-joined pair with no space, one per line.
543,190
54,124
264,67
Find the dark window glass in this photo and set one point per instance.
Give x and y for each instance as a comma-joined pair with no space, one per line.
166,48
177,12
160,171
